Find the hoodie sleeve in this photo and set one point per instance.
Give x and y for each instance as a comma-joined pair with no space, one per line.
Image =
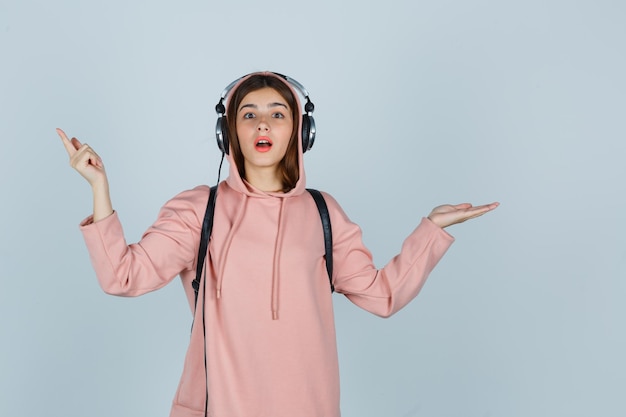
383,291
168,247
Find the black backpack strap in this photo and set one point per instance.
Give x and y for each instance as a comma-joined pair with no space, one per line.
205,235
328,232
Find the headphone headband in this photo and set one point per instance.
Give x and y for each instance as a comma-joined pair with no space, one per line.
308,123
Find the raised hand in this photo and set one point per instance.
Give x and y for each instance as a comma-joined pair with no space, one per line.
84,159
87,162
447,215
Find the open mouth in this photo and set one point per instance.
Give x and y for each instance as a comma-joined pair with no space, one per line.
263,143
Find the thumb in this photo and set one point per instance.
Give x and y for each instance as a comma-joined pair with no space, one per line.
76,143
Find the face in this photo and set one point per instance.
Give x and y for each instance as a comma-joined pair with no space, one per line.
264,127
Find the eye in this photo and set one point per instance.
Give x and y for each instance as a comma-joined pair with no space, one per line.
248,115
278,115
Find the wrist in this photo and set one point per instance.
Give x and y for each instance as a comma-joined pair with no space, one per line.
100,185
436,222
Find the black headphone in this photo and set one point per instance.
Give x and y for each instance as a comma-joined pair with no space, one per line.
308,123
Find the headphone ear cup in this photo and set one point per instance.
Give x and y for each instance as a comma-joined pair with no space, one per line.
308,132
305,132
221,134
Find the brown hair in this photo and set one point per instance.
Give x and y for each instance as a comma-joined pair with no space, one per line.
288,166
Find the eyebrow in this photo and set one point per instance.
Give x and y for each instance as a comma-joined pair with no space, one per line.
254,106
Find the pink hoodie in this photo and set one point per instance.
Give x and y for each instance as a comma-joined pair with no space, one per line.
268,312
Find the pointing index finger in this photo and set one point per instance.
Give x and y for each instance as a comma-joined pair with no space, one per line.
69,147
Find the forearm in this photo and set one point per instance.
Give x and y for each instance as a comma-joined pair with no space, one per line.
385,291
102,206
168,247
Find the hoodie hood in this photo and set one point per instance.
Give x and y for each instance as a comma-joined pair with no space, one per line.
235,181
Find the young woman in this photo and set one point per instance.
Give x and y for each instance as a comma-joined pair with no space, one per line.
263,343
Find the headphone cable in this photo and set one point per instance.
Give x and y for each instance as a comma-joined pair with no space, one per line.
206,370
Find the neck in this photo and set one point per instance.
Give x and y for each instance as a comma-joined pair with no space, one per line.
266,180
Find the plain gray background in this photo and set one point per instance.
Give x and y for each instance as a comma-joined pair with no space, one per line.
417,104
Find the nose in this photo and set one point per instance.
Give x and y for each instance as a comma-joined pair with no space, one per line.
263,126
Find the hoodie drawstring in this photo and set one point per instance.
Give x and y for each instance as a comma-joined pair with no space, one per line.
277,252
276,267
227,243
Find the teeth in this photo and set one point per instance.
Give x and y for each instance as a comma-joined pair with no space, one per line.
263,142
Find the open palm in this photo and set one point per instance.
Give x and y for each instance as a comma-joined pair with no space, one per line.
448,214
